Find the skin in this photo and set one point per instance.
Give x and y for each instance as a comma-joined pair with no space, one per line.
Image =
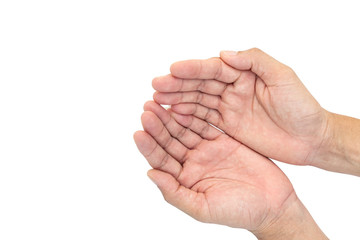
214,178
261,103
263,110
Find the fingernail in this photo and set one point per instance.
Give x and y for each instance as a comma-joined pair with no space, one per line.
229,53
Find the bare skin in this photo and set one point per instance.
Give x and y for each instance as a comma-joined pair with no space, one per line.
262,110
261,103
216,179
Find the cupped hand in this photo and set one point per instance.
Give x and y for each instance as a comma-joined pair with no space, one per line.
253,98
208,174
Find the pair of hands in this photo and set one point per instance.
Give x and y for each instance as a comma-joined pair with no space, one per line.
223,177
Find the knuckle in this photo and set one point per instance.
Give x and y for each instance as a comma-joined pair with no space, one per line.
168,142
201,86
288,72
163,161
167,198
207,115
199,97
255,50
204,130
181,133
219,69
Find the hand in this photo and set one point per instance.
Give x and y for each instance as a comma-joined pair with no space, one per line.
209,175
253,98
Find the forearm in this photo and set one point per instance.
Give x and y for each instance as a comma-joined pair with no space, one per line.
340,151
296,223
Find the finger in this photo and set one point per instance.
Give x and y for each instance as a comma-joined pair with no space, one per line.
188,201
209,115
212,68
155,155
266,67
204,129
170,83
153,125
210,101
184,135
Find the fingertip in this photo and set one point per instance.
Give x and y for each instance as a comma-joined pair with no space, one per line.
154,82
148,120
152,175
158,83
176,194
160,97
185,69
184,108
164,181
158,110
137,136
156,96
147,105
142,140
144,116
174,68
184,120
174,112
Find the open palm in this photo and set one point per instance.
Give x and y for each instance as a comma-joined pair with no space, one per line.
271,112
208,174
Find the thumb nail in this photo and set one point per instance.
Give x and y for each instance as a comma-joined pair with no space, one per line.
229,53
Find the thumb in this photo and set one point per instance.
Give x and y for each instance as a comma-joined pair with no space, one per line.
263,65
177,195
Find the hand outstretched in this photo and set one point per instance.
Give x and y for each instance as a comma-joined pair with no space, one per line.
209,175
253,98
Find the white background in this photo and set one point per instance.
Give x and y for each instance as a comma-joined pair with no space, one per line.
75,74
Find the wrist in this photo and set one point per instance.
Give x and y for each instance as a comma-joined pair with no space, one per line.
340,148
294,223
321,151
